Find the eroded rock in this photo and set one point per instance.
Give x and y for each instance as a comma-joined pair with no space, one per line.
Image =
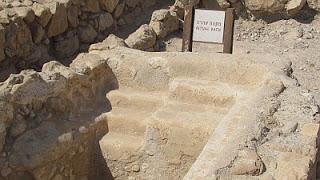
270,6
164,22
143,39
105,21
109,5
314,4
87,34
18,39
59,20
42,13
67,47
111,42
293,7
247,163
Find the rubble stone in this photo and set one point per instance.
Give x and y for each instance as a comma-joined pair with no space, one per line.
314,4
164,22
87,34
144,38
293,7
59,20
109,5
110,42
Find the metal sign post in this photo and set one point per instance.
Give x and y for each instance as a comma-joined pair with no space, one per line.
208,26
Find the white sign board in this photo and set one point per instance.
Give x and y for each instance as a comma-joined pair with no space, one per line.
208,26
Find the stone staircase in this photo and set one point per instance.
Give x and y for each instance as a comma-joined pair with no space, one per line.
166,130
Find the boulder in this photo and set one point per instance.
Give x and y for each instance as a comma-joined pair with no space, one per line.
87,34
42,13
149,3
37,32
119,10
2,135
6,117
18,39
91,6
25,13
164,22
67,47
105,21
132,3
109,5
144,38
110,42
18,127
179,6
4,17
2,43
265,6
314,4
294,6
215,4
59,21
73,19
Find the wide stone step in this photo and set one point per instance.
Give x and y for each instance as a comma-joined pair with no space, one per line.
133,99
127,121
202,92
185,127
190,116
118,146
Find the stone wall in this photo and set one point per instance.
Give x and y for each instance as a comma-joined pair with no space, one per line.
35,32
49,120
254,8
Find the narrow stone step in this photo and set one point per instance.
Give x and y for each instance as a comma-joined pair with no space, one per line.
133,99
118,146
127,121
201,92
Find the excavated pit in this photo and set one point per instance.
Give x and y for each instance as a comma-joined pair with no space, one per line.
167,106
128,114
